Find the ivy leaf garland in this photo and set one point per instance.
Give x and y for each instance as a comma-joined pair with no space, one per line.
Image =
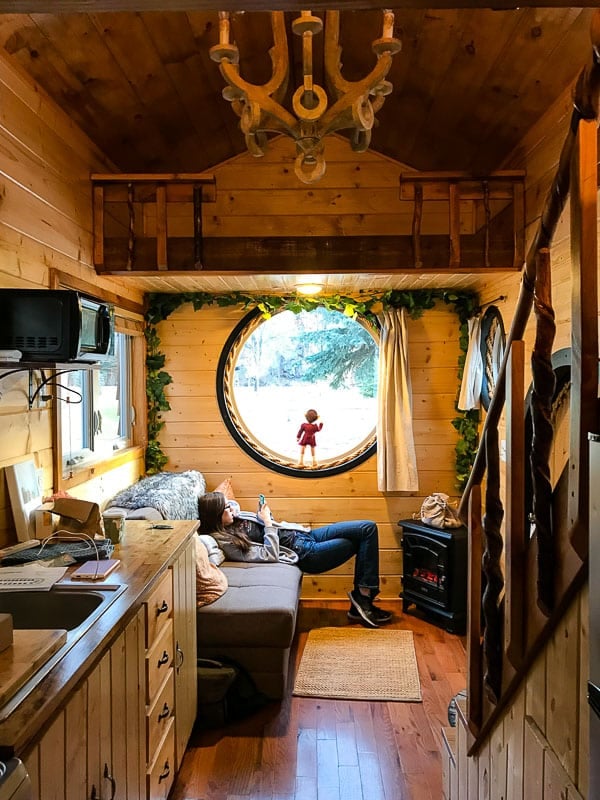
161,306
156,381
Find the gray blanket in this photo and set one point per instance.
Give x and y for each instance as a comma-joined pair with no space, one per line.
174,494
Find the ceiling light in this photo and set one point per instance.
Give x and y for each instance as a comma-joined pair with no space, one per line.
309,288
350,105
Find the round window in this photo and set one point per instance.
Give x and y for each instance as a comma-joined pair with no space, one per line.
276,374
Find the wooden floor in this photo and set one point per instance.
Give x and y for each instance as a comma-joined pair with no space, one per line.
313,749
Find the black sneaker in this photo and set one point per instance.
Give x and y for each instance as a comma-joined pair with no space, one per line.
380,616
363,607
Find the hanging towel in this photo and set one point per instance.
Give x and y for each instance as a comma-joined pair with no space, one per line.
470,389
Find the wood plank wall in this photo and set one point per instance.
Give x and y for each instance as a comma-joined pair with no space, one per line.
195,437
358,195
45,222
544,733
539,750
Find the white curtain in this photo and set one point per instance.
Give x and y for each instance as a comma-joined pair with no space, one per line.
396,459
470,388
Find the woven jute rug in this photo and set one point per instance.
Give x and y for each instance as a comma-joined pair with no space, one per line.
359,664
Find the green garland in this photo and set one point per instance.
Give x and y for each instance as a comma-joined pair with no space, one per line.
160,306
156,381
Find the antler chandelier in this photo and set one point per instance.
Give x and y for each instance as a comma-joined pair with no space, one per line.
353,103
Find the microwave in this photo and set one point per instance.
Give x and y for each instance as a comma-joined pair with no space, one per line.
55,325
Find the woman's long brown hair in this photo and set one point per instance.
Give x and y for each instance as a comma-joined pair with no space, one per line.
210,512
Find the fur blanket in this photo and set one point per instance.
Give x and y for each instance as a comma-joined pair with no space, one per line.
173,494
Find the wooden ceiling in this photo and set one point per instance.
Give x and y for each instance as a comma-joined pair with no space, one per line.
468,83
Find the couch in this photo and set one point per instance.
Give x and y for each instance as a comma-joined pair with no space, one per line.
253,622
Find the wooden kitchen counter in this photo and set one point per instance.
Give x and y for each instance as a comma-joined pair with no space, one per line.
144,554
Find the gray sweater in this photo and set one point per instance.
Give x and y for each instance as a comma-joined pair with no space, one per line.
269,551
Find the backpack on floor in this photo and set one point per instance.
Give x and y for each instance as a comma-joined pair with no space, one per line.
226,692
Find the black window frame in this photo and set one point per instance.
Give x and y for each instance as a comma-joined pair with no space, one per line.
282,468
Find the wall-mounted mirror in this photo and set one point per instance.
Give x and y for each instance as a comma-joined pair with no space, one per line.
493,341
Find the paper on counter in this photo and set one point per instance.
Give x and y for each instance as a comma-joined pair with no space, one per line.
29,577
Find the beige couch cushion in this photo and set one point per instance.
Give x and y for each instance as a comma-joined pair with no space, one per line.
257,610
211,582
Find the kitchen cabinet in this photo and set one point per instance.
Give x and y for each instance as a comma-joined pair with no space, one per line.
171,684
90,750
184,628
122,732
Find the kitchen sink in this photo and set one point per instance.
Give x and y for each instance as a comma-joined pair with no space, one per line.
64,607
56,608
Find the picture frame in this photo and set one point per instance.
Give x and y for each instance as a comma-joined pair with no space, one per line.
25,496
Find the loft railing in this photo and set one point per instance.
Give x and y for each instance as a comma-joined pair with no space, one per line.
515,606
149,222
442,223
485,219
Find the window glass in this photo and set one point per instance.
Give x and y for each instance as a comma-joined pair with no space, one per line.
95,412
73,414
275,370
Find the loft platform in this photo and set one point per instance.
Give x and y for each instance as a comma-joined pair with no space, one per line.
433,223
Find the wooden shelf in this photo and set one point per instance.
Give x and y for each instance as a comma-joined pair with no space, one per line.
68,366
152,223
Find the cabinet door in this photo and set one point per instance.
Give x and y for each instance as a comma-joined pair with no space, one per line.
132,716
76,744
99,721
122,757
57,763
51,773
94,748
184,622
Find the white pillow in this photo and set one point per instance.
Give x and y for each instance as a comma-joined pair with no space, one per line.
215,555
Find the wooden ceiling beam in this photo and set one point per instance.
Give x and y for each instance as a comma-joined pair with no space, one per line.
96,6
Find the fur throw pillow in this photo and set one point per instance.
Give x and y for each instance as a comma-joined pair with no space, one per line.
174,494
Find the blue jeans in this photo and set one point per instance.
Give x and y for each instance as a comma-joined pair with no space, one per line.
328,547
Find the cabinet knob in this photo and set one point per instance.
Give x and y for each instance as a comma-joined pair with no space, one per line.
162,609
179,653
165,773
